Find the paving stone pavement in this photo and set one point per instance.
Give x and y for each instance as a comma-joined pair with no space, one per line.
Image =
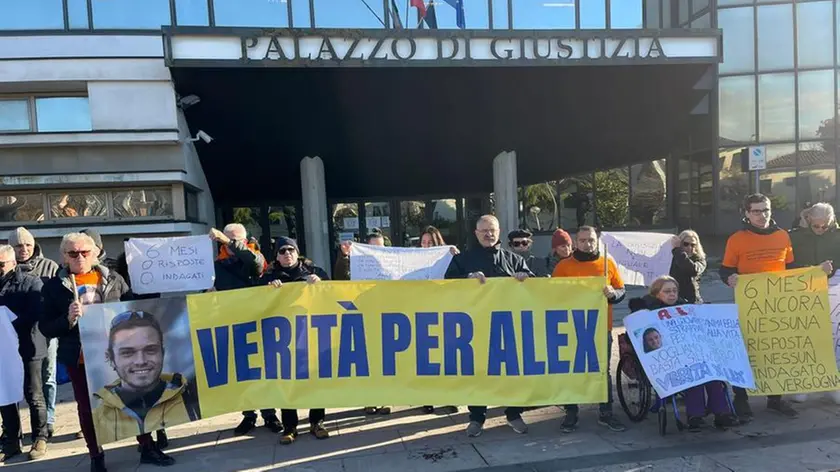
409,440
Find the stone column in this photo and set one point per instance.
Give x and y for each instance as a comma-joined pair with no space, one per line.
315,217
505,192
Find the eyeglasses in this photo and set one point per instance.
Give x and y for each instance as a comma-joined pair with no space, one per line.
527,242
75,254
488,231
127,315
688,244
286,250
765,211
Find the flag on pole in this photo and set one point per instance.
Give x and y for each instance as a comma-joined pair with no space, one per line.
420,6
430,18
460,19
395,15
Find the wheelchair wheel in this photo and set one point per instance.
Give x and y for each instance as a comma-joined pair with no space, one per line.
663,420
634,391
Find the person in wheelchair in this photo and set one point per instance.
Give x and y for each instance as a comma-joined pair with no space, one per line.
664,292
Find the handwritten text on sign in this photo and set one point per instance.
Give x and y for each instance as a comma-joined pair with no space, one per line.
160,265
641,257
787,330
398,263
685,346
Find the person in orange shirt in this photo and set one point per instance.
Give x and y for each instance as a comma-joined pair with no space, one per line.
760,246
586,261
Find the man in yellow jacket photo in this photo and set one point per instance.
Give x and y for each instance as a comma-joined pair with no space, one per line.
143,399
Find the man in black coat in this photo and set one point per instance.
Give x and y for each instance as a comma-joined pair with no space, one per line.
490,260
21,293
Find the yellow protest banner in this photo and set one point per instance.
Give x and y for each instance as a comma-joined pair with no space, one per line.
785,321
352,344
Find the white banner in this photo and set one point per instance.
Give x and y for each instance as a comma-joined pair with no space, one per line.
161,265
689,345
641,257
398,263
11,367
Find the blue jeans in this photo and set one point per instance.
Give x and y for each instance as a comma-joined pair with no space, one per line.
603,408
48,378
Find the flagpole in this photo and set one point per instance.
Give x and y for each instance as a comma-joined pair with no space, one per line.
408,12
373,12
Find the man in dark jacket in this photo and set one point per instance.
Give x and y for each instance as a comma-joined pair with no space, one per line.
31,261
816,241
21,293
490,260
108,262
240,265
521,243
61,311
288,267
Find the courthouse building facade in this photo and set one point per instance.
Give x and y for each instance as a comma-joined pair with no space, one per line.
321,119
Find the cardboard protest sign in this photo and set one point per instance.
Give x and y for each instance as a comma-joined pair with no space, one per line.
160,265
641,257
787,329
685,346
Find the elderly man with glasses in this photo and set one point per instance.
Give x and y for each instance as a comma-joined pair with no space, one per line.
82,281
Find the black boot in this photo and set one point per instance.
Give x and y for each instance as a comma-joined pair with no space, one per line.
161,439
245,426
97,464
151,454
10,449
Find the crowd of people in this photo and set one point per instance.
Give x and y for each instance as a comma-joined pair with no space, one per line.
49,299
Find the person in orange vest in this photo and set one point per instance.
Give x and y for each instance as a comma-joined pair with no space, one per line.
587,261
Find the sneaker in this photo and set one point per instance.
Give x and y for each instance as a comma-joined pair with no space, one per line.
781,407
153,455
39,450
474,429
726,421
245,426
384,410
370,410
742,409
518,425
161,439
272,423
9,450
570,421
50,431
97,464
288,437
695,424
428,409
610,421
319,431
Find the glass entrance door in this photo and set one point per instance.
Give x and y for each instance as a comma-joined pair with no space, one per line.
416,215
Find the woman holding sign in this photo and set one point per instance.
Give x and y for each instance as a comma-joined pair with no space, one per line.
665,292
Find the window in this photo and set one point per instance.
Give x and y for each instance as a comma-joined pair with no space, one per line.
778,182
21,207
625,14
14,115
54,114
541,14
78,205
344,14
648,193
817,181
564,203
814,33
416,215
738,40
191,201
733,186
593,14
612,197
816,100
737,109
77,14
191,13
346,223
251,13
776,107
775,46
31,15
130,14
142,203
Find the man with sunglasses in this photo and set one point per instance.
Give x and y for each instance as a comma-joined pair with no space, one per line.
143,398
82,281
760,246
21,293
520,242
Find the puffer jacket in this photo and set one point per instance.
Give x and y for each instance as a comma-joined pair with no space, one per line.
114,420
58,295
687,271
649,302
242,269
812,249
21,293
39,266
298,273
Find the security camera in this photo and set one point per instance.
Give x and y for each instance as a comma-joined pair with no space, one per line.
188,101
202,136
